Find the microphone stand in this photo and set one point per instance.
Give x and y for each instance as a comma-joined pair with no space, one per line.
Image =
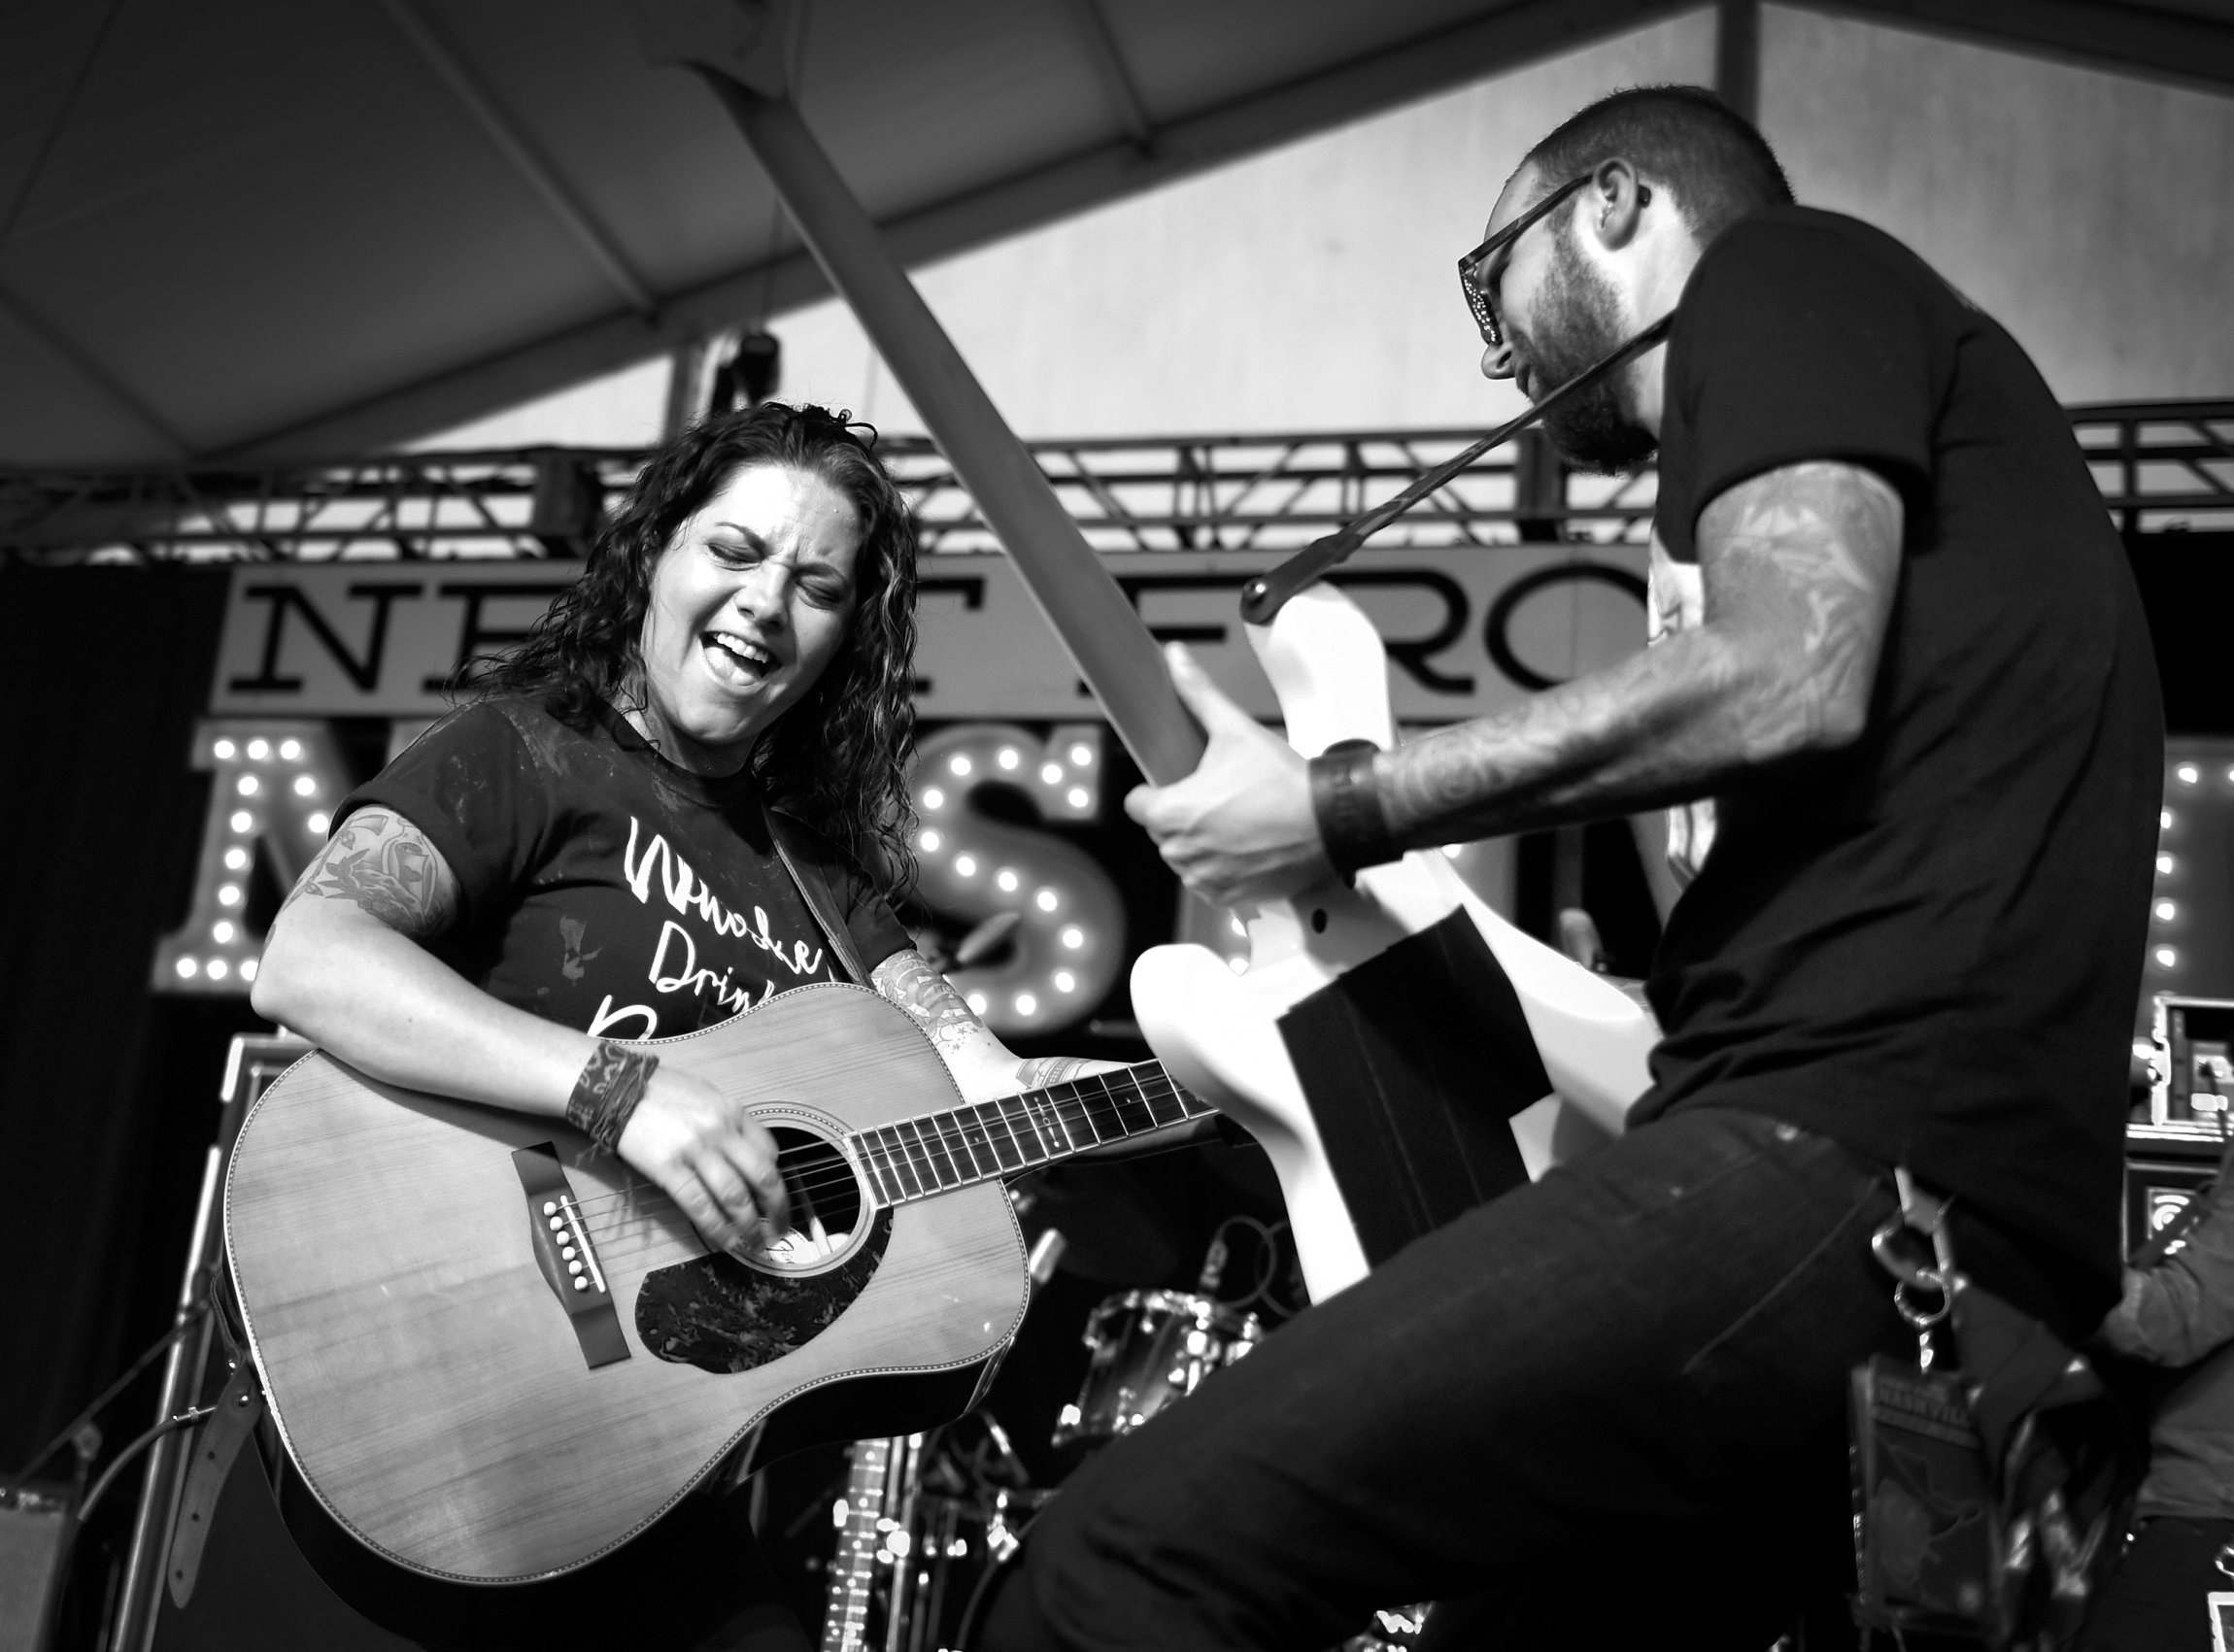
1264,596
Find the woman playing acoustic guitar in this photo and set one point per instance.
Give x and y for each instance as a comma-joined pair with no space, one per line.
677,798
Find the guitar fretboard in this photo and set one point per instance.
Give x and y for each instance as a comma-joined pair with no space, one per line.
853,1564
939,1152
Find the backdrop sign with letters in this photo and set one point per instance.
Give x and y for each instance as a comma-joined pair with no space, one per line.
1469,630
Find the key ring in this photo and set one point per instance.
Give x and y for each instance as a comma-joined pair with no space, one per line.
1912,1278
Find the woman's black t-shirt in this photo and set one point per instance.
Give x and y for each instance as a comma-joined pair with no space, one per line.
606,889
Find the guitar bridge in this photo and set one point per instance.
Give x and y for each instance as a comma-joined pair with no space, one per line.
566,1257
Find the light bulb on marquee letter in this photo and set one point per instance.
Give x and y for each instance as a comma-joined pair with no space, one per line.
1069,943
273,782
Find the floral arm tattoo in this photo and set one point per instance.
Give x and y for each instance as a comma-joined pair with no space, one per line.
1800,566
386,866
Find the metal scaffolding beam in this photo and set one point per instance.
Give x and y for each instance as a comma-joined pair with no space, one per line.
2159,464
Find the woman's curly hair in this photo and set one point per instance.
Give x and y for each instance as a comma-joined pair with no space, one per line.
838,757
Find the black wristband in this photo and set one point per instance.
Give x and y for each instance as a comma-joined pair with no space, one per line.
605,1095
1347,806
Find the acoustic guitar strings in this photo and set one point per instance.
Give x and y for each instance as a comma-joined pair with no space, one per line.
1151,1085
955,1142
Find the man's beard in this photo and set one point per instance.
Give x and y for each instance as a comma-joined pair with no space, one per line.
1579,329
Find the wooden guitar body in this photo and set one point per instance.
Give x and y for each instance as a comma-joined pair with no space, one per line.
1219,1034
431,1387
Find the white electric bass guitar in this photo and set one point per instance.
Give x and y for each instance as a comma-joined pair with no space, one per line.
1220,1032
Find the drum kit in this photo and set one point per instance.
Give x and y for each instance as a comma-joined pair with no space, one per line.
930,1525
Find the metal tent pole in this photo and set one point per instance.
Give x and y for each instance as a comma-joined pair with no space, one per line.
730,44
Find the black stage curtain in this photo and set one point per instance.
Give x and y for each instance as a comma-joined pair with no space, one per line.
102,672
2177,572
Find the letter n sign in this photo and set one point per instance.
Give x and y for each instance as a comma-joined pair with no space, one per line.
273,789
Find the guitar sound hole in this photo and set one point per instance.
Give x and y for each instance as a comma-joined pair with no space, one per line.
820,1182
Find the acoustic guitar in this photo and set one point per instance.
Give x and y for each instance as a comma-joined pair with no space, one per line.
494,1353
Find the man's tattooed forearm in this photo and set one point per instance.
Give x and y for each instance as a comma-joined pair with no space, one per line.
384,864
1800,567
907,979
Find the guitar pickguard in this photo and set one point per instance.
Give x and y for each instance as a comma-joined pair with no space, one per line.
723,1317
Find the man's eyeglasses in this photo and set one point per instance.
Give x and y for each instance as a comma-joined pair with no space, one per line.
1476,288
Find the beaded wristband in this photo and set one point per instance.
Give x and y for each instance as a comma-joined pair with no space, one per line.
605,1095
1347,806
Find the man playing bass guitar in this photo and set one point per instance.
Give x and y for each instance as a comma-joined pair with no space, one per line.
1901,657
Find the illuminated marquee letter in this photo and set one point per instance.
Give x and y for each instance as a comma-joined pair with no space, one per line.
274,784
1069,942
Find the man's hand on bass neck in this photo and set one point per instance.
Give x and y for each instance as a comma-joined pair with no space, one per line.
1240,828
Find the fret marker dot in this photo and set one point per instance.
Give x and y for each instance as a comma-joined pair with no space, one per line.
1027,1005
1073,937
1045,900
1065,981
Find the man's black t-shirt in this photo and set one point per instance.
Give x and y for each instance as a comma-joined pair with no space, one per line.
1926,945
603,887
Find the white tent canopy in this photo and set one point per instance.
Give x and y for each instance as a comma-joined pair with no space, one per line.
240,228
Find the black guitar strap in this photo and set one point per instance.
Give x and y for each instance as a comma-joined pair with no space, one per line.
805,868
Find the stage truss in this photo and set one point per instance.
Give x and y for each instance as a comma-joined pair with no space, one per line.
2161,467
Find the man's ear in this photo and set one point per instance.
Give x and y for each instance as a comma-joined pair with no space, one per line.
1614,203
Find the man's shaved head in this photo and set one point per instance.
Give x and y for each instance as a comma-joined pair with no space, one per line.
1714,162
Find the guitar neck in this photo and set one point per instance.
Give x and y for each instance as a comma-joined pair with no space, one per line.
853,1565
939,1152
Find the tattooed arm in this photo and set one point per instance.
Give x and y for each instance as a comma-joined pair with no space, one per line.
1799,564
984,1067
346,966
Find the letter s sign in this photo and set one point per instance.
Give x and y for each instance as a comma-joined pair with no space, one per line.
1068,941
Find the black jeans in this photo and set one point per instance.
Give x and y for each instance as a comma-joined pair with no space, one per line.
2156,1600
1604,1410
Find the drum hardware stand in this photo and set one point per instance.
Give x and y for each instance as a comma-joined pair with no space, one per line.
169,1495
